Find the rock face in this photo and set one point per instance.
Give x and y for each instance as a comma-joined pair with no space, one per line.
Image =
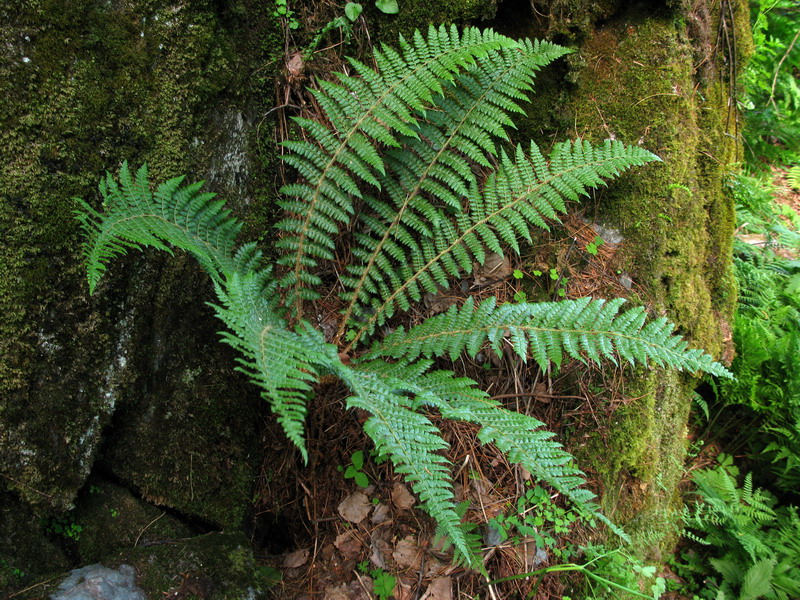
86,85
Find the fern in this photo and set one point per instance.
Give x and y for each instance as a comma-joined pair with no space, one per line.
410,157
752,546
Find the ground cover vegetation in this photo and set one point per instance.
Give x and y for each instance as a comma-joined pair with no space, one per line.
742,520
405,178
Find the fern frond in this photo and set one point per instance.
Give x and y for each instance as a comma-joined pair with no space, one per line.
175,215
283,363
793,177
364,112
399,430
525,192
582,329
428,177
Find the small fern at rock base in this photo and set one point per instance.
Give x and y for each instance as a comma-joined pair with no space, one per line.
399,155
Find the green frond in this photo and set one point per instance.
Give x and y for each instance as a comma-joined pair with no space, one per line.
387,391
430,174
175,215
364,112
283,363
583,329
525,192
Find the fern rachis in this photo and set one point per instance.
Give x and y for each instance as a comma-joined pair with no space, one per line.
426,217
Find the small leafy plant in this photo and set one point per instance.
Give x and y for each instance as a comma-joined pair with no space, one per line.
408,162
354,471
536,516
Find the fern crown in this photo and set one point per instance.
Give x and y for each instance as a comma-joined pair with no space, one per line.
397,166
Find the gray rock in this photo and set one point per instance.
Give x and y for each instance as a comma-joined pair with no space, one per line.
97,582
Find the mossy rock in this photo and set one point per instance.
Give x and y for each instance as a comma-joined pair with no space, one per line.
26,553
113,520
215,566
87,84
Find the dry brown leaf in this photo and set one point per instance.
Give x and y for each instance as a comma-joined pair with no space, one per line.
403,591
380,514
407,554
348,544
440,588
402,498
494,269
295,559
295,65
440,301
355,507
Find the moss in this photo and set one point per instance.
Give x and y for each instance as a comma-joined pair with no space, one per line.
418,15
215,566
112,520
635,81
89,84
25,552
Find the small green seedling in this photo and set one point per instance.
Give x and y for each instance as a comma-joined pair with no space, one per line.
520,297
352,10
282,10
354,471
383,583
517,274
592,246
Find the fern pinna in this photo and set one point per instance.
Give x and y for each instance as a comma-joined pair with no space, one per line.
397,157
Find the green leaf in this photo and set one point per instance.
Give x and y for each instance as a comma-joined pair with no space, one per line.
389,7
358,459
350,472
517,274
591,248
362,480
352,10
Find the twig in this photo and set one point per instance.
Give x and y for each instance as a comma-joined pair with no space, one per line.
145,528
27,589
778,69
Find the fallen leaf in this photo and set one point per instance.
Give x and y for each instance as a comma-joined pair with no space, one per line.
440,588
348,544
337,593
355,507
295,559
380,514
295,65
495,268
440,301
407,554
402,498
403,591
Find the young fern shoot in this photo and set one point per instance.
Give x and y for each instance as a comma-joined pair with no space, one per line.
397,156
